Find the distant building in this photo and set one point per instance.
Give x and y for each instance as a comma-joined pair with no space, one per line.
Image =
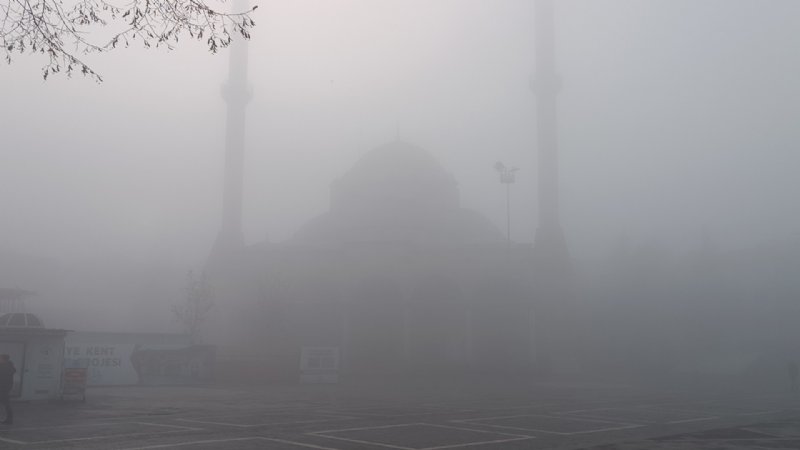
397,275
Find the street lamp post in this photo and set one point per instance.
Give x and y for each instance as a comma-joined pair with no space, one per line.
507,177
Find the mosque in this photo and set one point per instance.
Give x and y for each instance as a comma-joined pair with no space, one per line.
396,276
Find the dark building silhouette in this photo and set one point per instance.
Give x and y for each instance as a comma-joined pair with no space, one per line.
396,274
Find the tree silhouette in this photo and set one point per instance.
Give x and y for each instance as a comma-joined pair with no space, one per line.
198,303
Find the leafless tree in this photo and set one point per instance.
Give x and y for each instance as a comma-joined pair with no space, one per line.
67,30
198,303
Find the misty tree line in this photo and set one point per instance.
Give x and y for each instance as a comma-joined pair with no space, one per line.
65,32
709,311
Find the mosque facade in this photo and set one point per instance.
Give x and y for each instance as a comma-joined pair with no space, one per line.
397,276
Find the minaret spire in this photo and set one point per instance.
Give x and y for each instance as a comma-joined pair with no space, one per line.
549,244
237,93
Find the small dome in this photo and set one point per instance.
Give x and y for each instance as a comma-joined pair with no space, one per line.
20,320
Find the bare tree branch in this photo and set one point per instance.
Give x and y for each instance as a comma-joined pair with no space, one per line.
63,32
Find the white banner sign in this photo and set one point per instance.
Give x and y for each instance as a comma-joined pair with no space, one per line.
319,365
107,364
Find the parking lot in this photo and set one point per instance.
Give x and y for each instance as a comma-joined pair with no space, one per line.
425,416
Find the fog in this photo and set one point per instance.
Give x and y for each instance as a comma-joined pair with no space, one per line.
677,152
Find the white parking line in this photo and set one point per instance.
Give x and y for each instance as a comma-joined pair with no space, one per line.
474,430
175,429
363,428
12,441
468,444
180,444
696,419
513,437
91,438
219,441
84,425
566,433
357,441
366,412
760,413
546,416
533,405
576,411
621,425
765,433
327,418
608,414
302,444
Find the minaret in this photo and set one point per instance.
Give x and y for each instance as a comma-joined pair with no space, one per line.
549,244
551,257
237,93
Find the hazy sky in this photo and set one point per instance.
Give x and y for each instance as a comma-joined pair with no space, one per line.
677,116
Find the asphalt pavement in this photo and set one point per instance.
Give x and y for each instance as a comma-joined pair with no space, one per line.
430,416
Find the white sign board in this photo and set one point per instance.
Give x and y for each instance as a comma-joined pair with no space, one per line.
319,365
107,364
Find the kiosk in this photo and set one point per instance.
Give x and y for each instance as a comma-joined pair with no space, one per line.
37,352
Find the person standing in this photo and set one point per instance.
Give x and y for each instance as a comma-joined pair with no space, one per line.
7,371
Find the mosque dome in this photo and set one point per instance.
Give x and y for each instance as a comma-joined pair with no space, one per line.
398,192
20,320
395,175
